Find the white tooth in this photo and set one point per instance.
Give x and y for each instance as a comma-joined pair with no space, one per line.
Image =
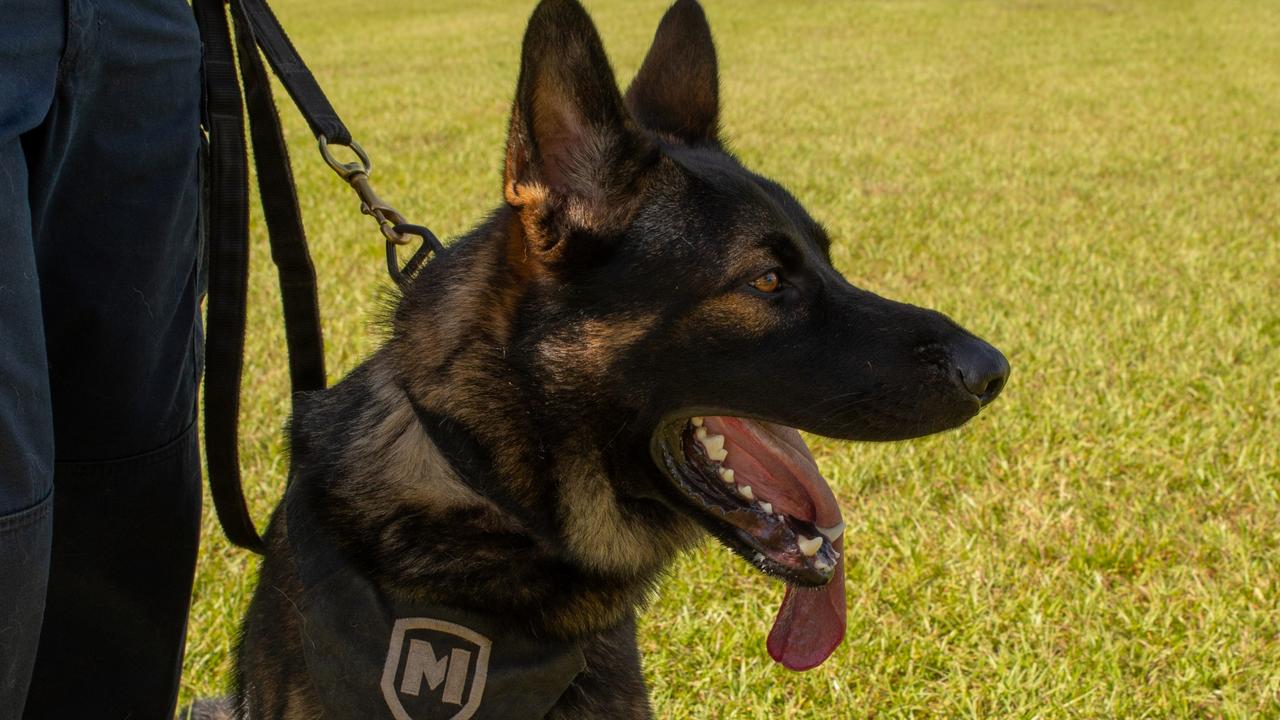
809,546
712,443
823,565
833,532
726,474
759,557
745,491
697,422
718,455
767,507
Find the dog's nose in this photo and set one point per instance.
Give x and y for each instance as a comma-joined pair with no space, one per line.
983,369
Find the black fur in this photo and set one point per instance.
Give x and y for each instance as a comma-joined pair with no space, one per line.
609,297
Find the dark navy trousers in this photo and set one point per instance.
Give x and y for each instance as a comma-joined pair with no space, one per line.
100,243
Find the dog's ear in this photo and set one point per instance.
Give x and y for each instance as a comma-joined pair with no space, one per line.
677,90
574,155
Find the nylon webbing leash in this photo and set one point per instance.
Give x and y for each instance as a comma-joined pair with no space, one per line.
256,28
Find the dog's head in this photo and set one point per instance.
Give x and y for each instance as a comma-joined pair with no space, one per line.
679,316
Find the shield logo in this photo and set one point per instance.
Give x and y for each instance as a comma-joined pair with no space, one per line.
435,670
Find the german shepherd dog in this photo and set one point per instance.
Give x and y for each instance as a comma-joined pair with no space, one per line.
614,362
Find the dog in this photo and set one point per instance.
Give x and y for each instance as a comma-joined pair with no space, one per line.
610,366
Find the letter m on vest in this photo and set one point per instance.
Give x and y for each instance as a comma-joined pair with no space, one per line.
449,669
435,670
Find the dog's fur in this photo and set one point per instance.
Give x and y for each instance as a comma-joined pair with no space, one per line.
609,295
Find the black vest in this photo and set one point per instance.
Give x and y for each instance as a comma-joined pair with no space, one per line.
371,655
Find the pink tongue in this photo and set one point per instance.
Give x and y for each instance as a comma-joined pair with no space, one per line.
810,623
776,462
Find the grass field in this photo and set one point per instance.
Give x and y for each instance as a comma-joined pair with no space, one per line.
1092,186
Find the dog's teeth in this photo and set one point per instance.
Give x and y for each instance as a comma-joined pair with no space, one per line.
726,474
712,443
833,532
809,546
759,557
718,455
701,434
767,507
745,491
823,565
697,422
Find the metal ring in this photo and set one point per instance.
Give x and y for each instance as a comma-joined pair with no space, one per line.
423,232
430,246
345,170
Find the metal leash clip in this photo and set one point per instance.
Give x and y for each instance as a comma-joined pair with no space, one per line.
356,174
430,245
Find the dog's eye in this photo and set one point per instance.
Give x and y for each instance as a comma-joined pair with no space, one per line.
769,282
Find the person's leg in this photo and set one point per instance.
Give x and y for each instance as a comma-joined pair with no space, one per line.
115,195
30,45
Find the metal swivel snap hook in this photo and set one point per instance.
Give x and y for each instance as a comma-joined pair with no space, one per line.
356,174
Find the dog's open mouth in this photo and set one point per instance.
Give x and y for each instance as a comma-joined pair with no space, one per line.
761,487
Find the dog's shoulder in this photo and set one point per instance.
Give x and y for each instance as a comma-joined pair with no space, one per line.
325,420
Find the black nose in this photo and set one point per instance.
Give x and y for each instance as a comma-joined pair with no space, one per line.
983,369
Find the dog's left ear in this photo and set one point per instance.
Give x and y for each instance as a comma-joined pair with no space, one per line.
574,155
677,91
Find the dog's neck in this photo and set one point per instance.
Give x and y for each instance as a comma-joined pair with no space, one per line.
448,359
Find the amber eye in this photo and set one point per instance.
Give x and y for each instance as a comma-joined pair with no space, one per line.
768,282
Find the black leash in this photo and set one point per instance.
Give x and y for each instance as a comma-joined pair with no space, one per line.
256,27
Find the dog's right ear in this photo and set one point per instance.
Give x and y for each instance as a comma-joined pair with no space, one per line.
574,156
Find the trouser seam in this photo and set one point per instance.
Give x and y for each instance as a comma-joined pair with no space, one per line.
26,517
160,455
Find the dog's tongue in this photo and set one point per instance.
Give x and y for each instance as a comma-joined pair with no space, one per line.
810,624
775,461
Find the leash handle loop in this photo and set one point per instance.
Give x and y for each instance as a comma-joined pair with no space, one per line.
257,33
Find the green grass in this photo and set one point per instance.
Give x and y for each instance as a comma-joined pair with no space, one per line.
1093,186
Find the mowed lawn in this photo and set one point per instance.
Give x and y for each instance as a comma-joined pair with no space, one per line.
1092,186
